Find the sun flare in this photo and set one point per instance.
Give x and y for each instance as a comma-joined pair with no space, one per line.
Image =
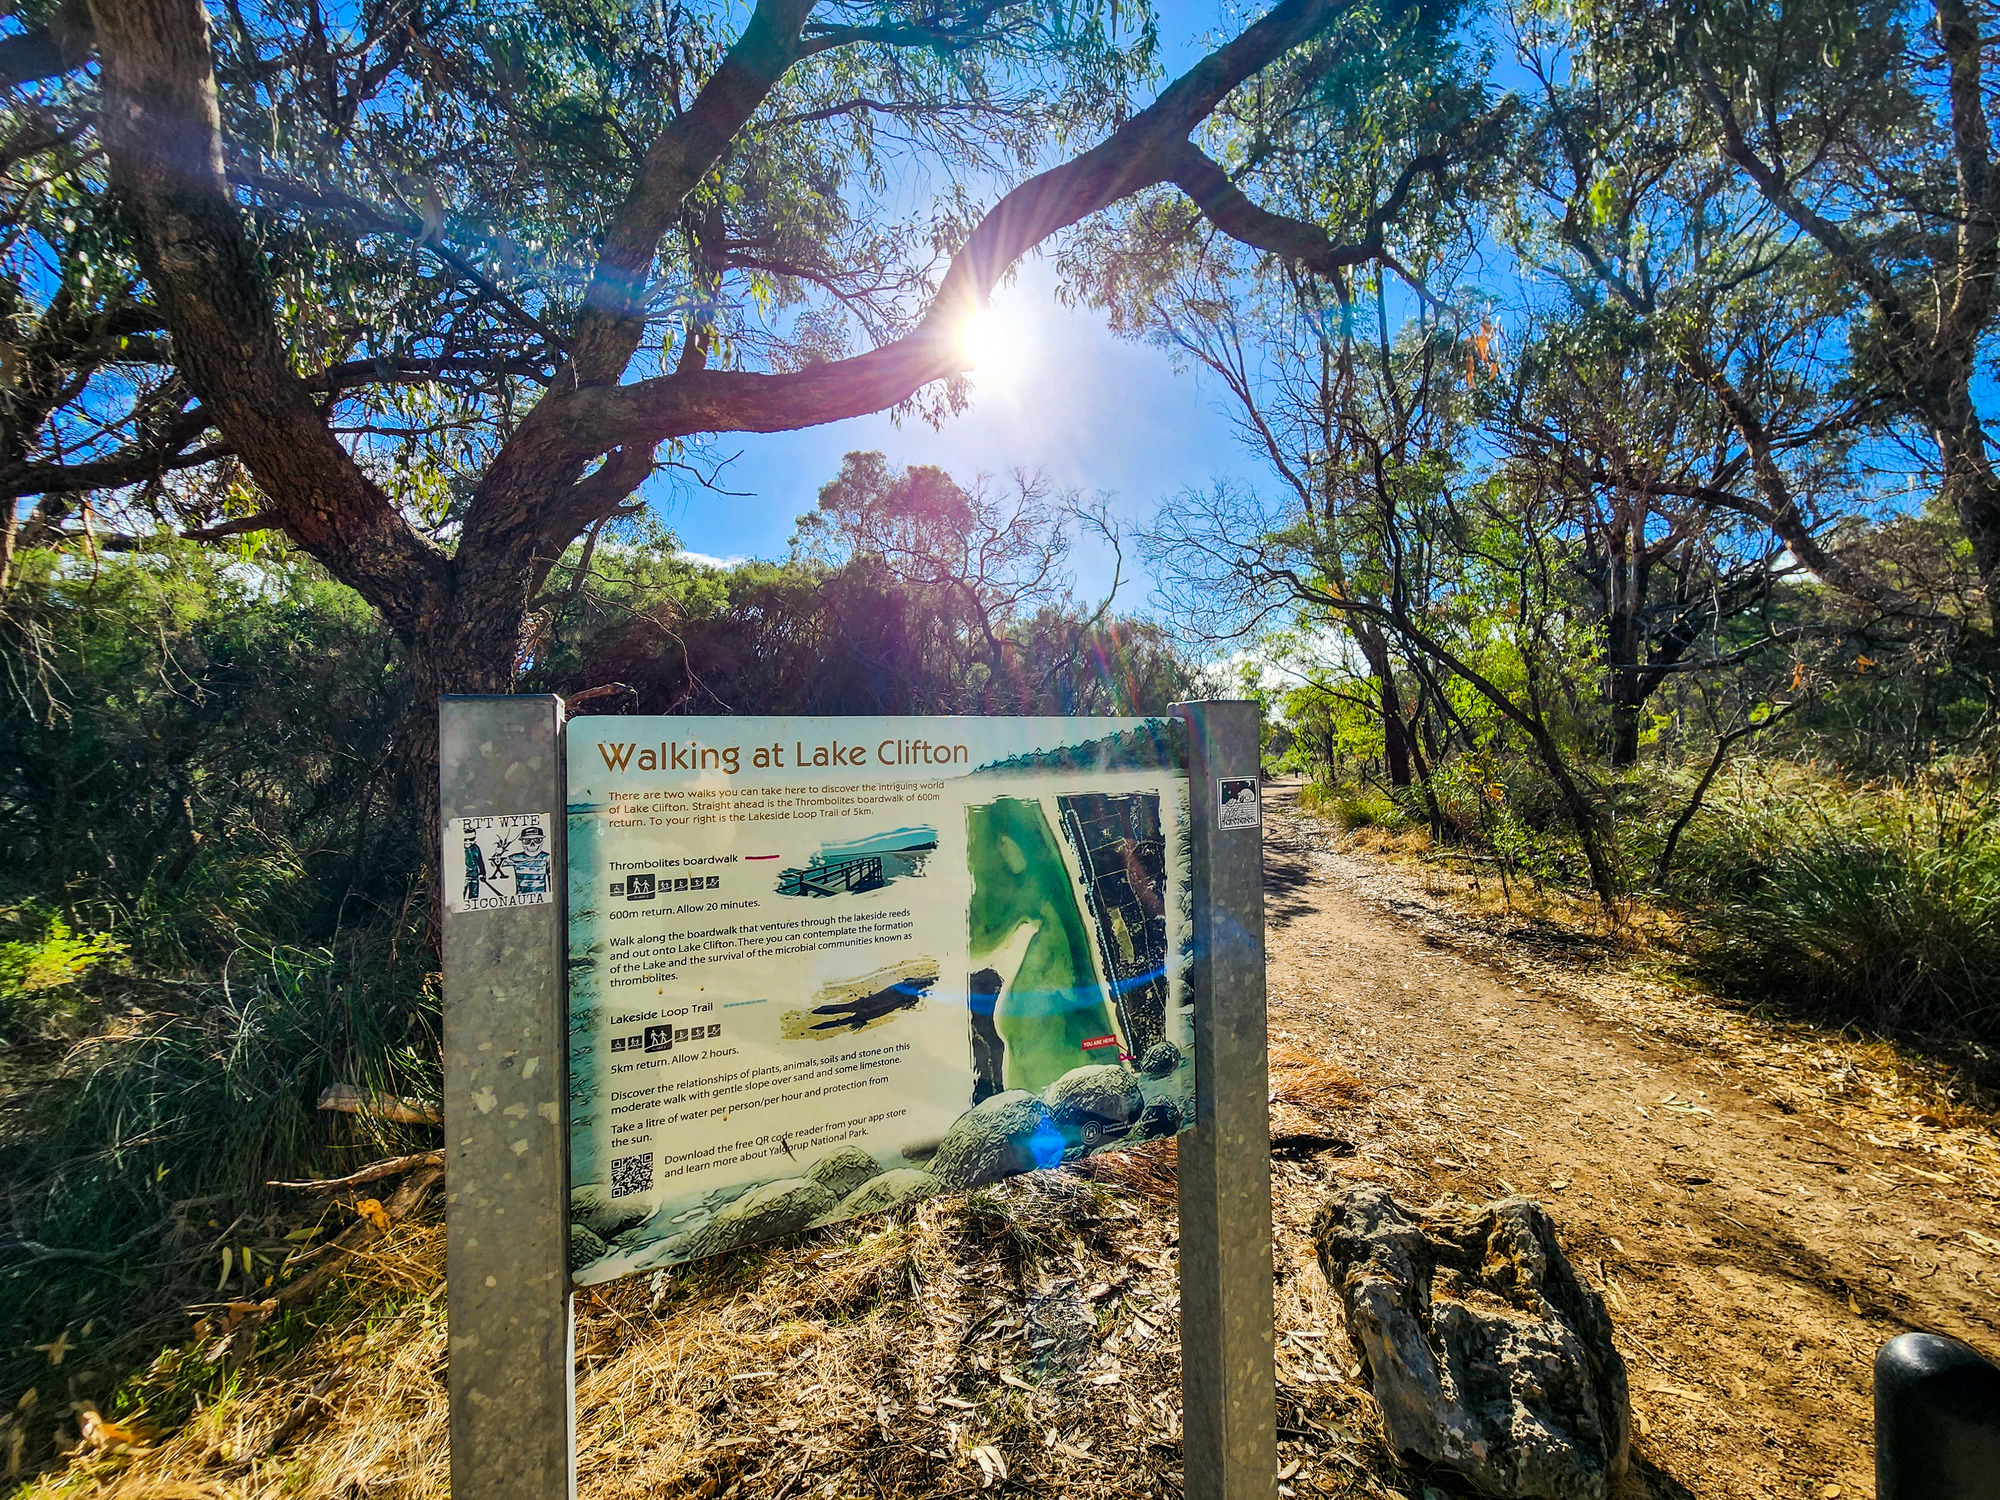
992,347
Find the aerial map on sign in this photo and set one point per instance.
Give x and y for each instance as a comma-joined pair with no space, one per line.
821,967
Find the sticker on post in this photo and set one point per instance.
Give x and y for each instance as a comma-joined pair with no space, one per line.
507,862
1238,807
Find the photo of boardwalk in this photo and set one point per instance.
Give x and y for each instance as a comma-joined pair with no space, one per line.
850,1005
862,864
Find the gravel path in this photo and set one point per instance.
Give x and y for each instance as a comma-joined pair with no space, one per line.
1755,1249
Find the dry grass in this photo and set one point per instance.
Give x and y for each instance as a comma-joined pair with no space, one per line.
1029,1330
1308,1095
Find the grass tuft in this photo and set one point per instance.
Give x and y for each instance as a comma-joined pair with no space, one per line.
1882,907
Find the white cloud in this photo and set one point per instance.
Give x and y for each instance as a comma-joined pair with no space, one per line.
705,560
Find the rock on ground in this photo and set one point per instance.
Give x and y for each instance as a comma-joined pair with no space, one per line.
1007,1133
781,1207
841,1172
1484,1351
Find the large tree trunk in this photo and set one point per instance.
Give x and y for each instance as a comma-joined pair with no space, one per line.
1972,490
468,647
1395,731
1624,692
1627,581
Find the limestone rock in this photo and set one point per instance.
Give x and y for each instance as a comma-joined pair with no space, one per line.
902,1185
782,1207
592,1205
843,1171
1162,1117
1006,1133
1484,1351
584,1247
1095,1103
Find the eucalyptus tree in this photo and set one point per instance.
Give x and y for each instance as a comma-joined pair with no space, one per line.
1392,150
987,554
1635,241
1605,426
1862,129
444,286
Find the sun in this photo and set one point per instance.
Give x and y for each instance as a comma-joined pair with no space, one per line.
992,347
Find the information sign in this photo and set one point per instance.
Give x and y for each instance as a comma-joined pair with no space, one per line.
819,967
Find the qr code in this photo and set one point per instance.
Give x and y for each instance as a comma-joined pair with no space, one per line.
631,1174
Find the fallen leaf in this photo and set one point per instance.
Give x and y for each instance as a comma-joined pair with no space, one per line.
372,1210
56,1349
106,1436
1289,1470
1109,1377
992,1466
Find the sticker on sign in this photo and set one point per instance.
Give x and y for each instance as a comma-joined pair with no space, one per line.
1238,805
507,862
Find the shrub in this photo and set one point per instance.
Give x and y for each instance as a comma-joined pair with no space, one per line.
1353,807
36,973
1883,906
185,1109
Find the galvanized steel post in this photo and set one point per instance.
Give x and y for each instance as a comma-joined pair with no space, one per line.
506,1097
1228,1362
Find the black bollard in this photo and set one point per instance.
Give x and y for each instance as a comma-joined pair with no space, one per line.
1937,1420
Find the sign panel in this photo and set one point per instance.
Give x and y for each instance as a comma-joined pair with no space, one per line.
820,967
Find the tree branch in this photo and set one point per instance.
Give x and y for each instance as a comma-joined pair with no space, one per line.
1871,278
1141,153
1225,205
61,44
614,316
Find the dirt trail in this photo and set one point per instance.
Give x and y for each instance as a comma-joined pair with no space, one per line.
1755,1253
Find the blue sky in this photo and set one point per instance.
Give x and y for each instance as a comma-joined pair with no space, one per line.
1093,412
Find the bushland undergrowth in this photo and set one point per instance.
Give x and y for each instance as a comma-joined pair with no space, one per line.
210,905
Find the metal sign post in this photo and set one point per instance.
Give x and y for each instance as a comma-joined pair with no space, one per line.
506,1095
513,1409
1229,1420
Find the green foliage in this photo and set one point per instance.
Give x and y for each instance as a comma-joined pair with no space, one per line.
35,971
177,1115
1353,807
194,746
200,772
1881,904
905,593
